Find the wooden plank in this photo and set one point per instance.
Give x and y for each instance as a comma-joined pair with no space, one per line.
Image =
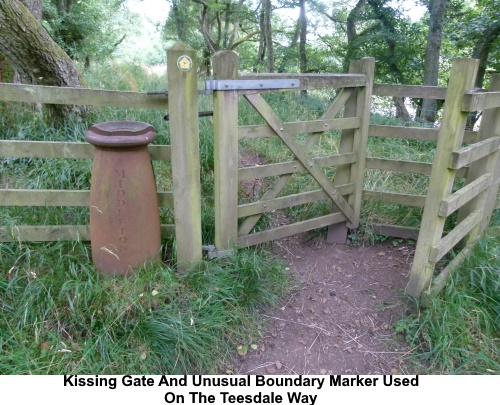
65,150
54,233
401,166
440,280
389,131
451,132
410,200
278,169
273,120
184,135
59,198
288,230
395,231
44,233
264,131
313,139
421,134
399,90
468,154
26,93
314,81
456,235
269,205
226,66
405,166
481,101
453,202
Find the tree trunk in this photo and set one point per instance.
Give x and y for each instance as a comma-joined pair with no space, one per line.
268,34
482,51
303,39
32,52
401,110
431,68
303,36
352,35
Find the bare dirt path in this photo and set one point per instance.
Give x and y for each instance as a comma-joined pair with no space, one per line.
341,317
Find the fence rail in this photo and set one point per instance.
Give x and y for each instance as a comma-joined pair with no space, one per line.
26,93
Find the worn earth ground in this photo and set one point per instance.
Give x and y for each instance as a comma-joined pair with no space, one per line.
341,317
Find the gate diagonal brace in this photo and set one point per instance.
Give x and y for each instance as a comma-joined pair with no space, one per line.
275,123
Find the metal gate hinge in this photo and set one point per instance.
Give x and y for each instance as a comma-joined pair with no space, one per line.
222,85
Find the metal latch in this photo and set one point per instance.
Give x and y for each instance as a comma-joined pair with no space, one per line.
221,85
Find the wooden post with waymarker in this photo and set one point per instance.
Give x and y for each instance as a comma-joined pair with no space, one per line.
184,138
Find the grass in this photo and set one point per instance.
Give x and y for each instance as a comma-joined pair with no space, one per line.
59,316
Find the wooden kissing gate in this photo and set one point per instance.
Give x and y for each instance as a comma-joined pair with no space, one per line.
459,153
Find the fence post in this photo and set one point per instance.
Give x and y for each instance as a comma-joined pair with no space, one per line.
226,65
490,127
451,132
184,138
354,140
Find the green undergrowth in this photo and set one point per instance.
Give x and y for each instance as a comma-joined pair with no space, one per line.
459,330
59,316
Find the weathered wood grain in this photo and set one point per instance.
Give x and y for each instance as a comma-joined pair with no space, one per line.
400,90
410,200
79,96
184,135
265,131
456,235
468,154
27,233
481,101
450,138
65,150
288,230
456,200
59,198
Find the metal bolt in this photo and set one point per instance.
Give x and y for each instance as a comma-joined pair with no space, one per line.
294,166
326,125
260,84
226,85
281,129
265,206
334,192
293,84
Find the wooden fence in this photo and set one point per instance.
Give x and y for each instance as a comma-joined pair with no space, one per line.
459,153
183,153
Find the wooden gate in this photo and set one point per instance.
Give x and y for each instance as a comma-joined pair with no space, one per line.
345,190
